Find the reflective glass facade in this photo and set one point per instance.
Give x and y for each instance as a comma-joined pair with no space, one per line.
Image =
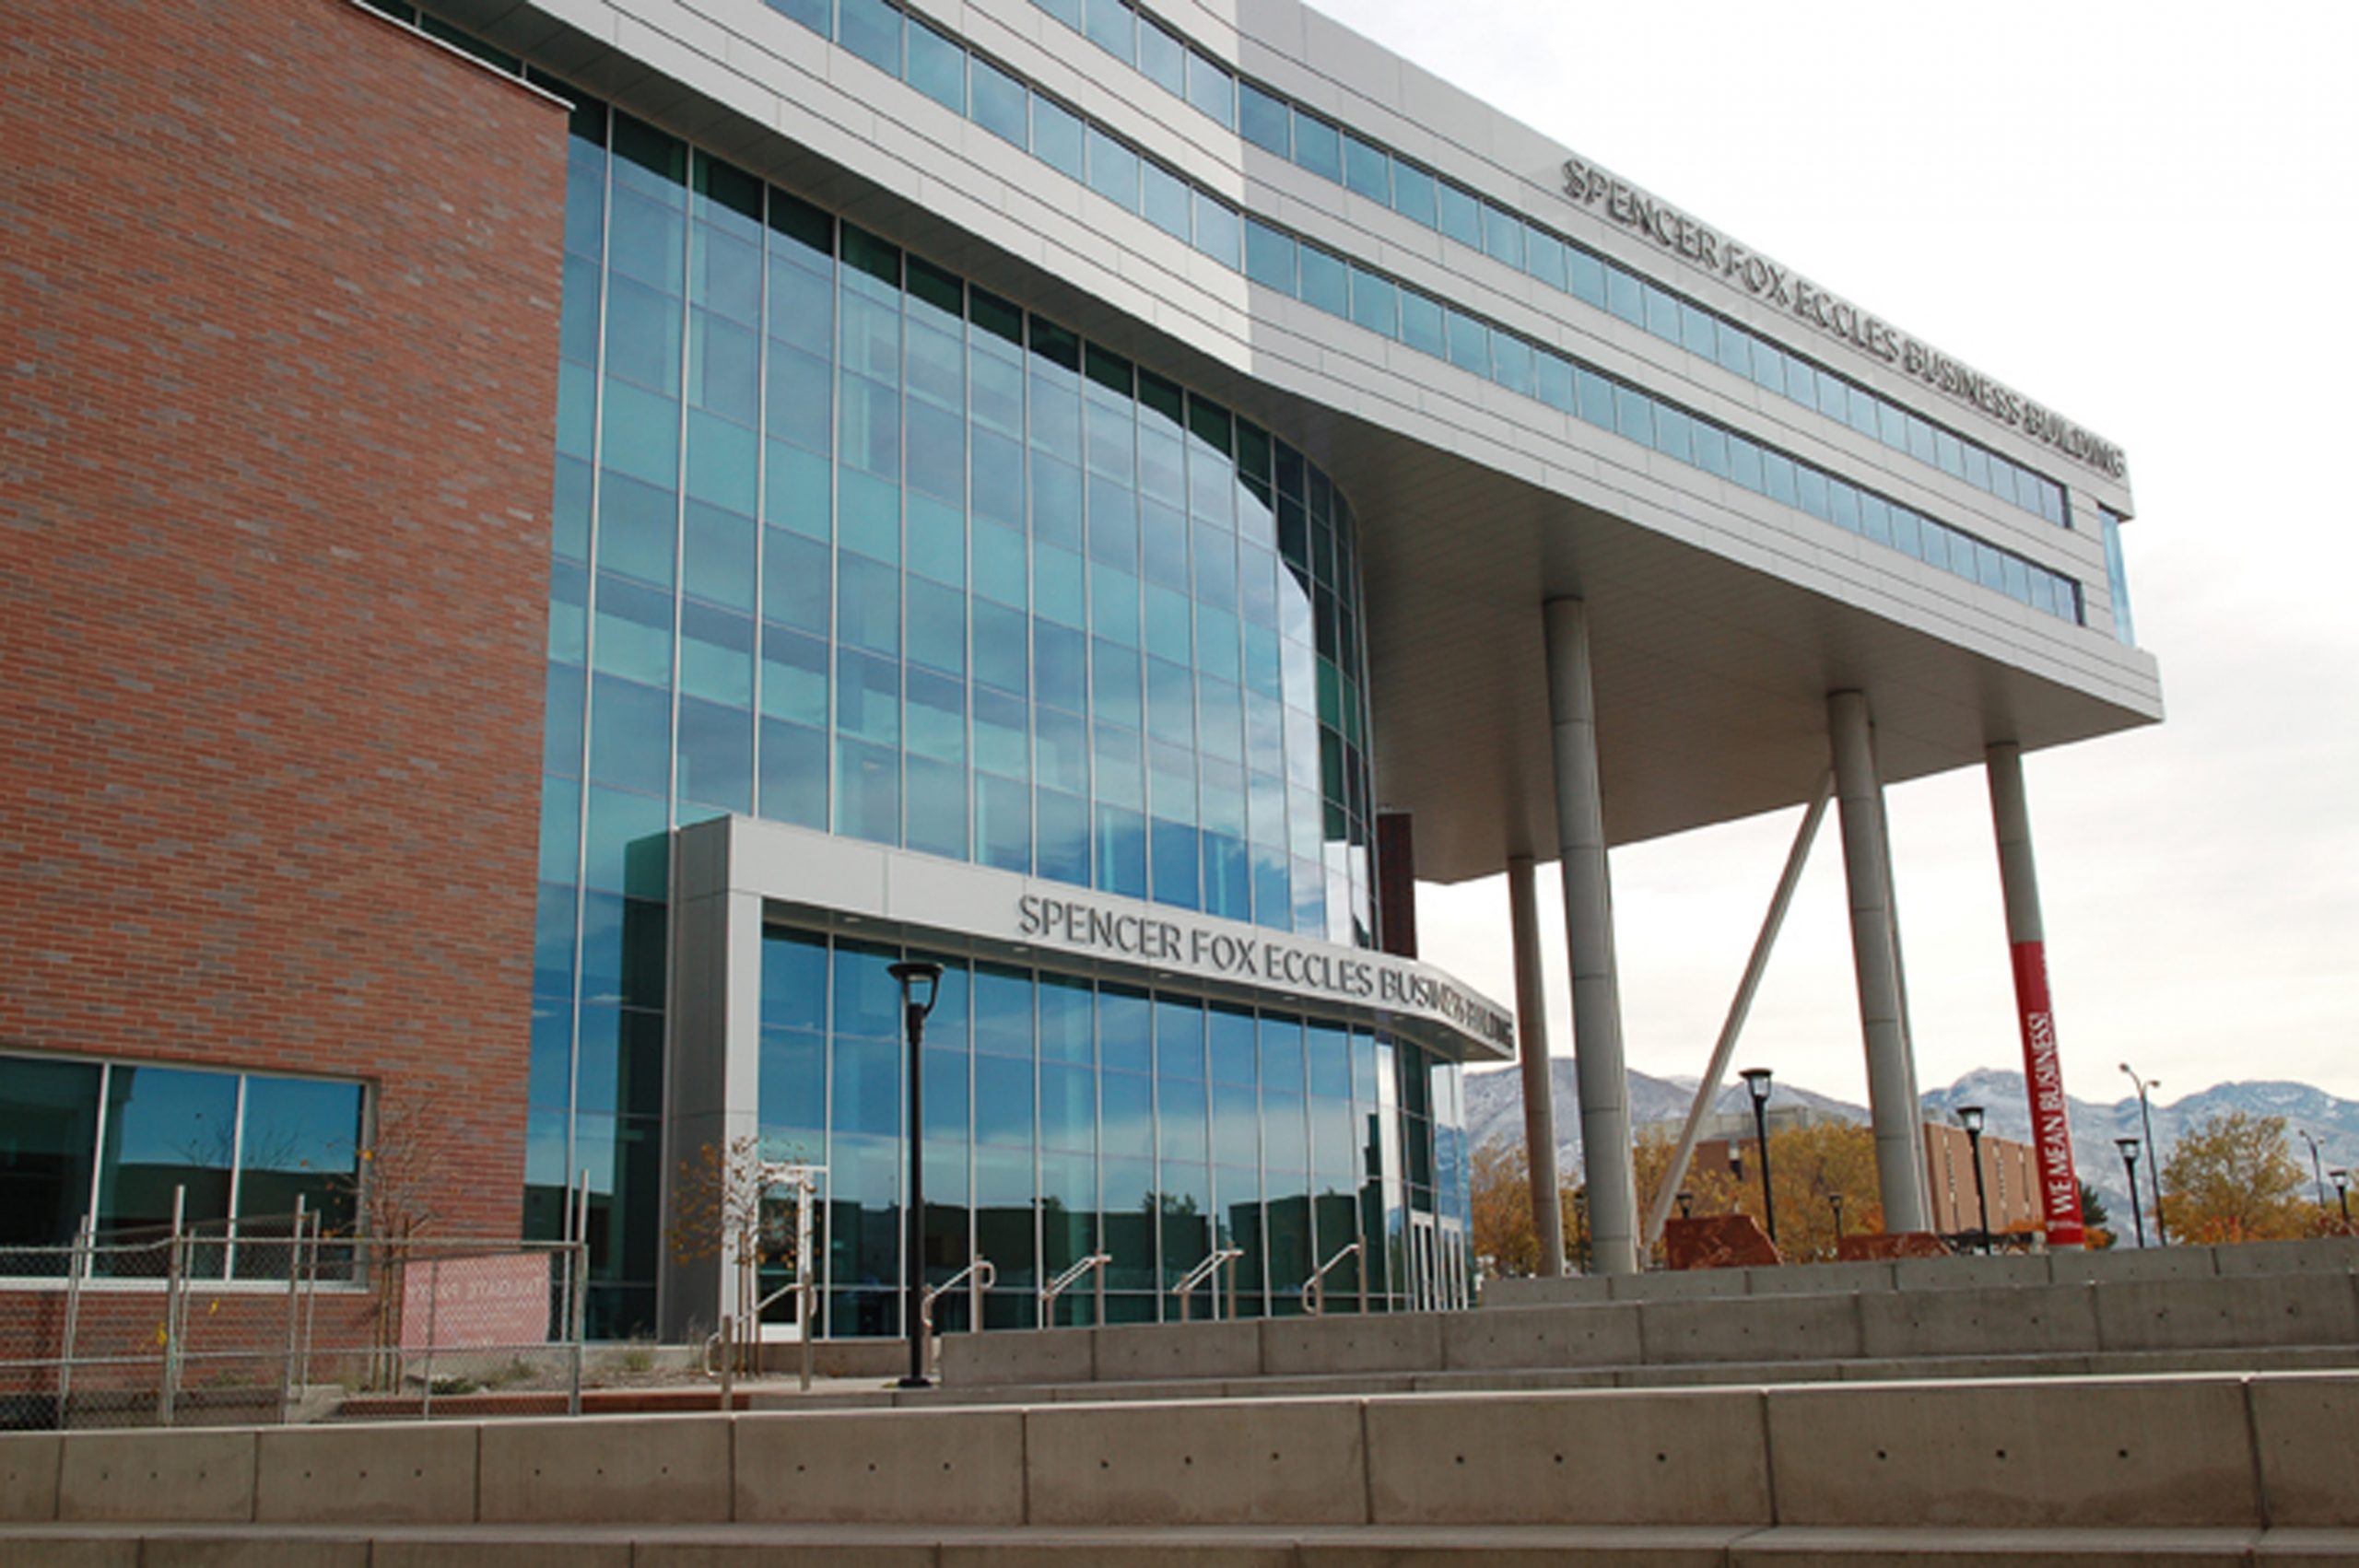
843,541
107,1145
1066,1117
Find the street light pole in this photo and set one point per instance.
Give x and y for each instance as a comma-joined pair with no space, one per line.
1834,1201
2317,1168
1970,1119
2129,1147
2342,1196
2153,1159
920,981
1756,1079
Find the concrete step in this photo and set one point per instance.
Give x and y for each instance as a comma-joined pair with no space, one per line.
250,1546
2177,1453
2330,1255
2309,1358
2290,1311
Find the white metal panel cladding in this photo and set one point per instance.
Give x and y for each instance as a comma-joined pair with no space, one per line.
931,901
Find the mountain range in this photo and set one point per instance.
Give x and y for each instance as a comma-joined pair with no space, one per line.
1495,1110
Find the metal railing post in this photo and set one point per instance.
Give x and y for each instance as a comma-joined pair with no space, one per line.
728,1363
294,1309
167,1396
77,1261
579,1312
433,1303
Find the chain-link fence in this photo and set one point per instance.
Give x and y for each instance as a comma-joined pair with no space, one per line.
270,1320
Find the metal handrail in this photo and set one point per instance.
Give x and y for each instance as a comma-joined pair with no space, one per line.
712,1340
985,1273
1070,1278
1200,1273
1314,1289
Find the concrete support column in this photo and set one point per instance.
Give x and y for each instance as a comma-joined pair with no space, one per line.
1875,956
2060,1187
1532,1040
1602,1081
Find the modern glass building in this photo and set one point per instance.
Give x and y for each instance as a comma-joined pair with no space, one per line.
1106,497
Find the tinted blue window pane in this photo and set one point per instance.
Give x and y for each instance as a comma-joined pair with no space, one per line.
1634,416
812,14
1470,344
938,68
1124,1043
1594,394
1122,851
1163,58
630,735
1264,120
868,791
1586,276
794,774
871,29
1002,815
1175,869
1812,485
1511,363
1413,193
1625,296
1375,302
1112,26
1113,169
794,676
1544,257
1461,214
1056,136
1318,146
998,100
1503,236
166,1129
1367,170
1269,256
716,756
1218,234
1212,90
1672,434
1166,201
1557,381
1744,464
937,627
1421,323
1061,837
49,1118
1325,281
795,980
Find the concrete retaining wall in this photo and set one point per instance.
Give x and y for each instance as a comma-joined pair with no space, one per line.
2167,1452
2109,1320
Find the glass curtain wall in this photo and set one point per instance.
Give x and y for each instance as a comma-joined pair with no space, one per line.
1067,1116
844,541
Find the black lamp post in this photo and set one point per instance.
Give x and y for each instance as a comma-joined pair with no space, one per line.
2153,1160
1687,1204
1970,1119
2129,1147
2317,1169
2341,1180
921,982
1756,1079
1834,1201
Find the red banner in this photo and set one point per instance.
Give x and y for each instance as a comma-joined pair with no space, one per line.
2051,1128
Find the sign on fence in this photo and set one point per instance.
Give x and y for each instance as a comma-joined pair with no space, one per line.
476,1303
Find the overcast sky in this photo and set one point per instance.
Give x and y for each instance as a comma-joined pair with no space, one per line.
2140,216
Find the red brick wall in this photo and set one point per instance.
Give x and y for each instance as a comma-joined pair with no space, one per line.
279,289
